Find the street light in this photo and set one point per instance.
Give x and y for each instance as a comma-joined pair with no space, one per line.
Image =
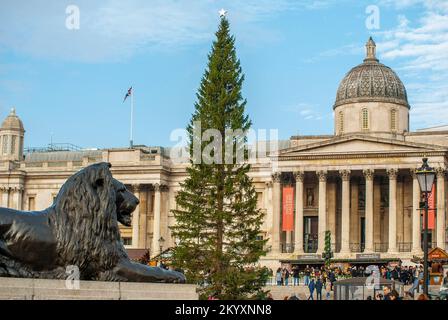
425,176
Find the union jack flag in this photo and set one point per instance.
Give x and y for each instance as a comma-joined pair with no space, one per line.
127,94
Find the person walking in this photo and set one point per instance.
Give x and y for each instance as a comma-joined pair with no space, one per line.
307,275
296,275
328,287
415,284
286,277
311,287
318,287
278,276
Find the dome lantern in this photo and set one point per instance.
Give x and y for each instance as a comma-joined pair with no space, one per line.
11,137
370,51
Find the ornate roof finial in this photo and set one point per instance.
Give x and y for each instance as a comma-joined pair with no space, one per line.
370,50
13,111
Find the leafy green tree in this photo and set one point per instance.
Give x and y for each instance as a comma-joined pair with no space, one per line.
217,220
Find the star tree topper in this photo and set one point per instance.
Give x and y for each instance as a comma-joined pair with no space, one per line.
222,13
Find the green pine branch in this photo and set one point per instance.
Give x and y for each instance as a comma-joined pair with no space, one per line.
217,220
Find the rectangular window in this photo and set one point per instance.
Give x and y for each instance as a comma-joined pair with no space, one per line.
259,200
341,122
365,119
31,203
127,241
393,120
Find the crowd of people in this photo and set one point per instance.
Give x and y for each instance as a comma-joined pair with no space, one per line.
294,276
320,280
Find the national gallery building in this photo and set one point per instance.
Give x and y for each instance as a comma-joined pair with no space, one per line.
358,183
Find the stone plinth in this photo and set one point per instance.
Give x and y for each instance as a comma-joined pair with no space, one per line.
42,289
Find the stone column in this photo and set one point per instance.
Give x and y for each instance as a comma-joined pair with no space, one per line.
392,173
18,196
143,198
268,206
155,248
440,208
136,219
354,214
298,233
5,197
322,219
345,227
276,185
416,226
369,175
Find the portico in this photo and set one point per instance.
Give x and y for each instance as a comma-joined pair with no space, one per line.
368,199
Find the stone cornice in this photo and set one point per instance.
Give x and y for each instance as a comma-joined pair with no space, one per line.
371,99
357,155
363,137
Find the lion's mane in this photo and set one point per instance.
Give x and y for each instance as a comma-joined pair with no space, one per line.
84,221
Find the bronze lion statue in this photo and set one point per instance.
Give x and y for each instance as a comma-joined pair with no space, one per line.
80,229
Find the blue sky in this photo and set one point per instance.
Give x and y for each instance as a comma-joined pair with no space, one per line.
69,84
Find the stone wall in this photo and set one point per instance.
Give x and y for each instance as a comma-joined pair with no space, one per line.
42,289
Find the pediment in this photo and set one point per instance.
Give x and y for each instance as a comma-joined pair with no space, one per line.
357,144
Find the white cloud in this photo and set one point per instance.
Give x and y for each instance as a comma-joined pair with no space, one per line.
420,50
305,111
116,30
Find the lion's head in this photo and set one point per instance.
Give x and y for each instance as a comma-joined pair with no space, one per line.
126,203
85,218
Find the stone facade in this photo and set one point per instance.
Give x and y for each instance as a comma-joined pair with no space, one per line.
359,183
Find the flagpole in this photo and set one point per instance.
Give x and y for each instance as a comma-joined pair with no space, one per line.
132,116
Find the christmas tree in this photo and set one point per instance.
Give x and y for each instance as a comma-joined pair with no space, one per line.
217,221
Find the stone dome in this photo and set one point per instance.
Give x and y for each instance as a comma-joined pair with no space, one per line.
371,81
12,122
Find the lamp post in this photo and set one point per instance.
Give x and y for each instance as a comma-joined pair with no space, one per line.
425,176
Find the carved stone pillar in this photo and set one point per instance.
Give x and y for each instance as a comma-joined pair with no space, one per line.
136,219
369,175
392,173
143,224
298,233
345,228
355,230
276,185
268,206
322,218
441,207
5,197
155,248
416,226
17,197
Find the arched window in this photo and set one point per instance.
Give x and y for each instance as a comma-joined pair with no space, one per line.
365,119
393,119
341,122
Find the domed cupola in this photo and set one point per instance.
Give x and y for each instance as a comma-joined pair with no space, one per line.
11,137
371,99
